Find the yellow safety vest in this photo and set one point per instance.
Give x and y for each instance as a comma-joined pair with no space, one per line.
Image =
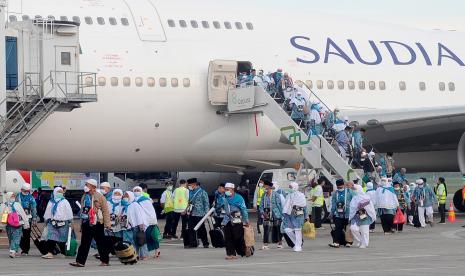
319,200
169,204
260,193
181,200
442,198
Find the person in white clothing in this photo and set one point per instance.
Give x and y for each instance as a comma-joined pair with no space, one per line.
362,214
371,192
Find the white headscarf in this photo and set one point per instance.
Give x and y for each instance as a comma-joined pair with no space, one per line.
119,207
63,209
135,213
386,198
295,198
149,210
359,197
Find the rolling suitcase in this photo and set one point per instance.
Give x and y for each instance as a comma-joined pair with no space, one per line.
416,219
288,240
41,245
190,238
216,236
126,253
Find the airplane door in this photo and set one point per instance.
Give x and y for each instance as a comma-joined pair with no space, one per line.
66,70
221,75
147,20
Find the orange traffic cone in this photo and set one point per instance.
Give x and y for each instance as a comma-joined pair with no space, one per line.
451,213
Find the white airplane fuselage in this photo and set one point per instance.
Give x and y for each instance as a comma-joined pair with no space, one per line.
145,128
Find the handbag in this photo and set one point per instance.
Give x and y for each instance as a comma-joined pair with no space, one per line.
308,230
399,218
249,236
140,238
5,217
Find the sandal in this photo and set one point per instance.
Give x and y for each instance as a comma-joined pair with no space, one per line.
76,264
157,255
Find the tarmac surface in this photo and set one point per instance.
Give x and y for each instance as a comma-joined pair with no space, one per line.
431,251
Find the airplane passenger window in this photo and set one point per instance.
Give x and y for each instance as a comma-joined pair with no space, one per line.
26,17
125,21
361,85
319,84
442,86
422,86
174,82
340,85
194,24
371,85
182,23
351,85
38,17
100,20
216,81
382,85
126,81
239,25
102,81
205,24
77,19
227,25
112,21
217,25
309,83
402,85
89,81
114,81
186,82
51,17
249,25
88,20
139,81
330,84
451,86
150,82
162,82
13,18
171,23
63,18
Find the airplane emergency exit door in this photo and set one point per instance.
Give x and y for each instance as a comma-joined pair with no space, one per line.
147,20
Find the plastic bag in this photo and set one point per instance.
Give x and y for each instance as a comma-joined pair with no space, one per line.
308,230
399,218
249,236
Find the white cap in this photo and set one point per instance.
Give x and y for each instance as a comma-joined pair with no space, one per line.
419,181
92,182
346,118
229,185
105,184
26,187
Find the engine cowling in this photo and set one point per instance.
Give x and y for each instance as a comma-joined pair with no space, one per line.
461,160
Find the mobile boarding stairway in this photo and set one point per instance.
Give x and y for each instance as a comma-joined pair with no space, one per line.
316,151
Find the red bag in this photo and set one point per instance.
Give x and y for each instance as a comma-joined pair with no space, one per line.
399,218
92,217
13,219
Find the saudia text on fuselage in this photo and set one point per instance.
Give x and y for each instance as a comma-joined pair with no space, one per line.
412,52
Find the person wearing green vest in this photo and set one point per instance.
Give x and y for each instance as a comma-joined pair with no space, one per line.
257,199
181,200
317,200
167,203
441,194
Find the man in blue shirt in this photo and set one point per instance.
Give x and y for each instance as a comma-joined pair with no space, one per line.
399,177
30,208
218,204
198,200
340,202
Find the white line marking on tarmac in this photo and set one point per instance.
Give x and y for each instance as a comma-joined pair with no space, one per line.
145,268
453,234
390,270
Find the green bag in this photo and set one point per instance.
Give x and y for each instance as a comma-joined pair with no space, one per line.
72,249
157,234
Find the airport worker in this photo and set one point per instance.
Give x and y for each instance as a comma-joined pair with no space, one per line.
30,207
59,218
181,200
441,194
95,217
362,215
340,211
151,215
257,199
134,220
386,201
317,200
105,189
404,203
297,105
371,192
115,208
294,215
167,203
343,139
234,221
400,176
271,209
218,204
15,219
198,200
424,198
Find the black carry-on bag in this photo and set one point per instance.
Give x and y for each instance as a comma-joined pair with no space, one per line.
216,235
41,245
416,219
125,251
190,238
